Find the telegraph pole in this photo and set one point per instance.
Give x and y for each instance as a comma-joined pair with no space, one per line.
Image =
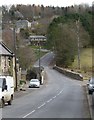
15,66
39,64
78,43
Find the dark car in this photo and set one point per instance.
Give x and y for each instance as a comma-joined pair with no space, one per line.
90,85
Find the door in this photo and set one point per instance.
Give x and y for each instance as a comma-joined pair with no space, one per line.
4,90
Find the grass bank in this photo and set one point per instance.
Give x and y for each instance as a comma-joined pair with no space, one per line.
85,63
38,53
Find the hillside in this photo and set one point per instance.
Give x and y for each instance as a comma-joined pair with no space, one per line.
70,36
63,26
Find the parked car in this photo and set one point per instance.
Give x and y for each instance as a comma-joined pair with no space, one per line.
34,83
90,85
6,90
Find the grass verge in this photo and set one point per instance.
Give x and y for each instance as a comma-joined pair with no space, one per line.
85,63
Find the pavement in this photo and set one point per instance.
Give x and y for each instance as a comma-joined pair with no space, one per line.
89,99
22,91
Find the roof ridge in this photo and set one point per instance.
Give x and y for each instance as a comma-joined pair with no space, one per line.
4,45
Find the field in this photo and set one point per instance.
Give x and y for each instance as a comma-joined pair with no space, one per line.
86,62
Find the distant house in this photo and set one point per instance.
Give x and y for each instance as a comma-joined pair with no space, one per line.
23,24
55,16
37,40
34,23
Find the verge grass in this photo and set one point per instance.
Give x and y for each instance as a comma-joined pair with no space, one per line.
85,63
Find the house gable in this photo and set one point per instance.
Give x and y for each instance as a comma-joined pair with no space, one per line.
4,50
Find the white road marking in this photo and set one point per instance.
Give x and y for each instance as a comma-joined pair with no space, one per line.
49,100
60,92
41,105
54,97
29,113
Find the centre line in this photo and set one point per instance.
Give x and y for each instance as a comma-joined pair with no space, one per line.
49,100
54,97
41,105
29,113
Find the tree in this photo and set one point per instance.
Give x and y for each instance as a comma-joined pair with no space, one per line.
26,57
62,37
63,41
7,36
24,33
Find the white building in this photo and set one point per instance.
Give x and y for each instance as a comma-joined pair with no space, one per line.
23,24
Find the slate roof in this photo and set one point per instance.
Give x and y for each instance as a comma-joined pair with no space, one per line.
4,50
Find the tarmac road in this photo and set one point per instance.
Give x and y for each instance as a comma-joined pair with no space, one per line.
60,97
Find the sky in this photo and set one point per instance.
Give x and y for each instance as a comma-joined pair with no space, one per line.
60,3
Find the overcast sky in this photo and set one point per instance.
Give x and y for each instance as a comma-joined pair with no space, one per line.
61,3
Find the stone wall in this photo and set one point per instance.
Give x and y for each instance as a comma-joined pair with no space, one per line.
69,73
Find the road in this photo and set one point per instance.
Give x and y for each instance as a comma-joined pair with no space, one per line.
60,97
93,106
